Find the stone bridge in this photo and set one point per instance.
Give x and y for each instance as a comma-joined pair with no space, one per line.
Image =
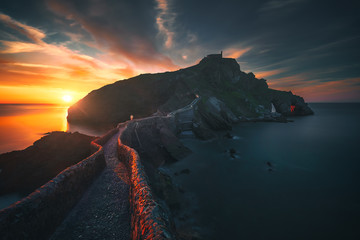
105,196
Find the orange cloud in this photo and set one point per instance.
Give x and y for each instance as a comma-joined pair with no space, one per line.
30,32
340,90
42,65
236,52
265,74
319,90
287,82
19,47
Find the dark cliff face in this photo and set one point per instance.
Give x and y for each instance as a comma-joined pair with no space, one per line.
218,77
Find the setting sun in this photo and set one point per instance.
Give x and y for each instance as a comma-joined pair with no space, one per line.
67,98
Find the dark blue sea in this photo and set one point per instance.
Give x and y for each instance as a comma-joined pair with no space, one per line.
311,192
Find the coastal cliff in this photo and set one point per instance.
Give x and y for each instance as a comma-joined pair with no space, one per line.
219,81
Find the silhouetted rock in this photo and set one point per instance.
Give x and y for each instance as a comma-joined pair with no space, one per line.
24,171
284,100
227,93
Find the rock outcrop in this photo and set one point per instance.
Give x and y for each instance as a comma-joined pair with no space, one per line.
155,140
217,80
284,100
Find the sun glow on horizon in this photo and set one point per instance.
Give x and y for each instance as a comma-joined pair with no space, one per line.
67,98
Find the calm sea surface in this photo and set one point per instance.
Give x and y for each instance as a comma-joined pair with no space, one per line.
313,191
22,124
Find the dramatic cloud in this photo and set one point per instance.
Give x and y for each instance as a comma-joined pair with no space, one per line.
38,63
305,46
107,25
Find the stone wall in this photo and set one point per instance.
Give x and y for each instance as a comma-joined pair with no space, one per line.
38,215
149,220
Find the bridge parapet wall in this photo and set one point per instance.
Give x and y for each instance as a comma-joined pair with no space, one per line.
149,220
37,215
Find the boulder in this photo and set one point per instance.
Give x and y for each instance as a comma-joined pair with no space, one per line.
215,114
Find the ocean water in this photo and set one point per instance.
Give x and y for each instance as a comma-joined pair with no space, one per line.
22,124
311,192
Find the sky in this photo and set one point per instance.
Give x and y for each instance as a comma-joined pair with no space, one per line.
55,48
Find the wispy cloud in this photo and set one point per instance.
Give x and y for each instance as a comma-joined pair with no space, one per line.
32,33
19,47
286,83
319,90
265,74
278,4
165,21
344,90
129,47
236,52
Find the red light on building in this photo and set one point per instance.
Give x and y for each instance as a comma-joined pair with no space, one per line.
292,108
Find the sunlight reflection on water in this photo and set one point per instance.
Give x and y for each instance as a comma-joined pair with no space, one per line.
22,124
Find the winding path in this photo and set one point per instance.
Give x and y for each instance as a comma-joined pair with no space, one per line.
103,211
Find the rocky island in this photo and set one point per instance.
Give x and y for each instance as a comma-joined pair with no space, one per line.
220,83
199,100
202,99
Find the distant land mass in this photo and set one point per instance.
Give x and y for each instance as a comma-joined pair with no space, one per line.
217,80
